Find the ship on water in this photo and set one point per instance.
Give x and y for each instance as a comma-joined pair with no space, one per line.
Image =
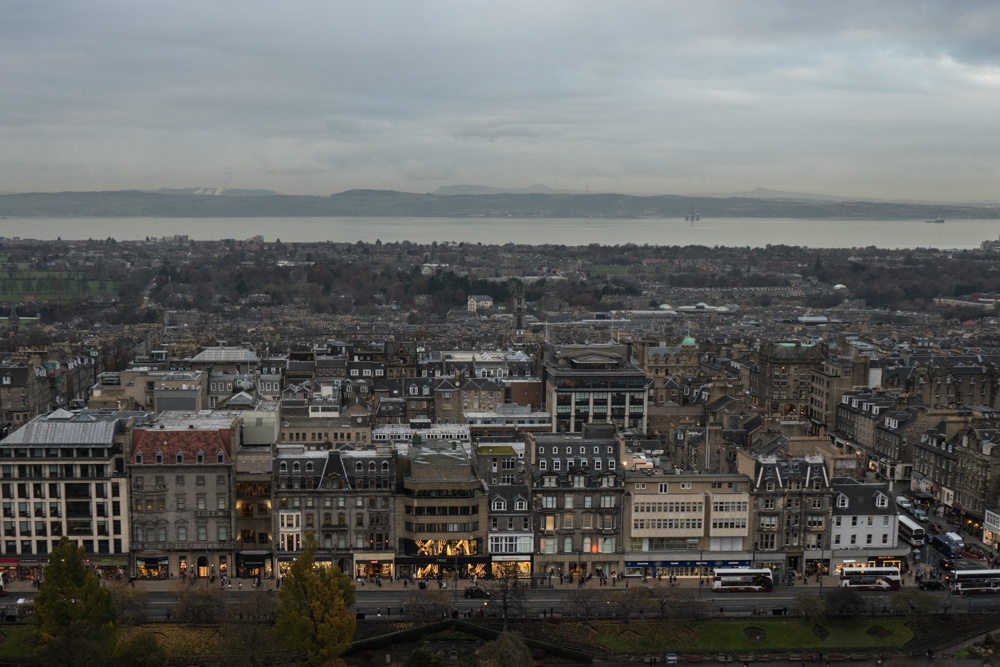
936,221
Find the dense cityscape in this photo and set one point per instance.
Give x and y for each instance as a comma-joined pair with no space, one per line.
190,411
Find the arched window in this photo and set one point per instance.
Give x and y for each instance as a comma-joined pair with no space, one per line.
385,466
159,456
309,467
296,467
200,456
359,466
371,467
283,467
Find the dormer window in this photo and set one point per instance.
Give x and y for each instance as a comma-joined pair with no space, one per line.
159,456
200,456
220,456
138,457
180,457
842,501
881,501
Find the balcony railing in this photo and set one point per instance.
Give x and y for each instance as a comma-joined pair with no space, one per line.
183,546
209,514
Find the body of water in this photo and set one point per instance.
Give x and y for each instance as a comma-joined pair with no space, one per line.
754,232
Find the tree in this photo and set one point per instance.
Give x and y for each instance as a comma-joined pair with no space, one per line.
316,609
844,602
507,650
628,601
422,657
75,621
198,603
808,603
130,603
506,591
141,649
248,629
587,602
427,606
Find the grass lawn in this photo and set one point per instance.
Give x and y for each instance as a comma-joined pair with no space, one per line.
16,641
754,635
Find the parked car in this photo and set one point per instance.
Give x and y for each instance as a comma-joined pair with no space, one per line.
935,527
475,592
670,658
932,585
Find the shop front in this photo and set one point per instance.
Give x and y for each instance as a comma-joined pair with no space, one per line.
680,567
374,566
447,567
109,567
517,564
253,564
152,567
23,569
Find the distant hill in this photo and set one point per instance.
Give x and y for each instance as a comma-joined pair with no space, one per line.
450,190
216,192
391,203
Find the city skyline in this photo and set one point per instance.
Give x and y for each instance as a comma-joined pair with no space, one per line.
894,101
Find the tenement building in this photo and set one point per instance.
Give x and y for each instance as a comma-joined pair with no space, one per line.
180,470
578,489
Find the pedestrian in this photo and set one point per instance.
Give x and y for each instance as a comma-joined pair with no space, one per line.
241,585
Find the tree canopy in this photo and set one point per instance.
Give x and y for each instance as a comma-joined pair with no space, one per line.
315,609
75,621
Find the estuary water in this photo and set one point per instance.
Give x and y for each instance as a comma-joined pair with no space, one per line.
753,232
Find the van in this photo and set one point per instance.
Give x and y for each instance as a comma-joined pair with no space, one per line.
904,502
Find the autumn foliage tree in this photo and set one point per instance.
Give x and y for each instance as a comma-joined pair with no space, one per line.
315,609
75,620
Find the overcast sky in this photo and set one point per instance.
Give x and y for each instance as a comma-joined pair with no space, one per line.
888,99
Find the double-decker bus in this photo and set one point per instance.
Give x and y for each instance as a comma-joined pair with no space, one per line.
963,582
950,545
911,532
742,579
865,578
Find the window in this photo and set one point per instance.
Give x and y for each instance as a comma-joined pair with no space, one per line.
548,502
180,457
182,533
159,456
200,458
138,456
199,480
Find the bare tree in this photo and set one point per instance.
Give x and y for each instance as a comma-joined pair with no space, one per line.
808,603
675,602
427,605
627,602
587,602
129,602
506,592
198,604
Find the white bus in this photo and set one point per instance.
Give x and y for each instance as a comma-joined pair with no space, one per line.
742,579
974,581
911,532
864,578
